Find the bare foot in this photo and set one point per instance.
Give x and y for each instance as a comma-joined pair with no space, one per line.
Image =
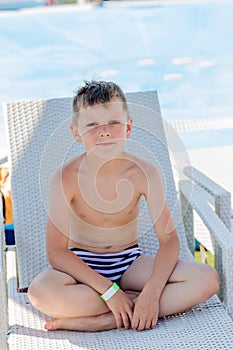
90,324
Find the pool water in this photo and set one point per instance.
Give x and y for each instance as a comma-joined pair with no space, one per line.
184,51
207,138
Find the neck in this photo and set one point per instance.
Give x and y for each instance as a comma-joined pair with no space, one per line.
105,166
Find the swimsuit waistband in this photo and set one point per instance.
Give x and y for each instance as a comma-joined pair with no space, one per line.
121,252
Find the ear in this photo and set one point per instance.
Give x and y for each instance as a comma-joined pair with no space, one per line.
75,133
129,127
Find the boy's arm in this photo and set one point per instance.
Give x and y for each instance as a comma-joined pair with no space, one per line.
147,306
62,259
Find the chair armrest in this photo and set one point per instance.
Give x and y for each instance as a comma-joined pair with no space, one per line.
3,288
215,194
221,236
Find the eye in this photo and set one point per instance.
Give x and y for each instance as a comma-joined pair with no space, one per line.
114,122
92,124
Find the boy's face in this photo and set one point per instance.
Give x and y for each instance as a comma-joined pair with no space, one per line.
103,128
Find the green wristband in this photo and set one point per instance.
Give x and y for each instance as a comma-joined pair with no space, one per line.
110,292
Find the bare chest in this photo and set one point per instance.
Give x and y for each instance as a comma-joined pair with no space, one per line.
106,204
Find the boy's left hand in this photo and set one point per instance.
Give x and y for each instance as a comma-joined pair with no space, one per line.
146,310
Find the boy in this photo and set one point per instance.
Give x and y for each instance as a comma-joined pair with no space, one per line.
99,279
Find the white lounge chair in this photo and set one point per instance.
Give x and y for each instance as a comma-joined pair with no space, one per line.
215,194
39,140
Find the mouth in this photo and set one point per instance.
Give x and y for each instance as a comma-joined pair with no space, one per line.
106,143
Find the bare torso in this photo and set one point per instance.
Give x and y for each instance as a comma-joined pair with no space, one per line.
104,206
102,239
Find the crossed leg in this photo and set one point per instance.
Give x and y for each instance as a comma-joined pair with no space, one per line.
76,306
190,283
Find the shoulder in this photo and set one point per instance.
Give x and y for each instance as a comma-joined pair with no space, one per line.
141,165
67,169
147,176
65,176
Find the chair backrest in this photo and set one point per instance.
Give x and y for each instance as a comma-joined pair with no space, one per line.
40,140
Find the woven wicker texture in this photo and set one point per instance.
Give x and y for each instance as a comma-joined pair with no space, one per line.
40,141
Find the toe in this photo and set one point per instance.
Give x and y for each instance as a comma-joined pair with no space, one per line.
51,324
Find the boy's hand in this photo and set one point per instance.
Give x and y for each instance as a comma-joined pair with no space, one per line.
146,310
122,308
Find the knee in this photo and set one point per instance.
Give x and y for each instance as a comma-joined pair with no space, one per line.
216,282
36,294
42,292
33,294
209,281
213,279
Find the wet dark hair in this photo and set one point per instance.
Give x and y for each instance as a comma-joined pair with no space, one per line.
96,92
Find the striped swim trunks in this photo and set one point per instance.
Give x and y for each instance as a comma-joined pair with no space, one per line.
109,265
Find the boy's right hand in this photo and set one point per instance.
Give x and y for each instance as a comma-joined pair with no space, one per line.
122,308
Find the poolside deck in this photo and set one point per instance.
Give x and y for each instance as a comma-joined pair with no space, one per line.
217,163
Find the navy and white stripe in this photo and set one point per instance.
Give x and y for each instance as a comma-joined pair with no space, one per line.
109,265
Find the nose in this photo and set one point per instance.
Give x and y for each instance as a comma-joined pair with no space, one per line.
104,131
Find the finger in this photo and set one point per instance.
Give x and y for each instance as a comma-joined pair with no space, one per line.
118,320
135,322
148,324
130,314
154,322
127,318
141,325
126,321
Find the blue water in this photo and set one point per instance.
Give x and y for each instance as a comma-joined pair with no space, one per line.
7,5
207,138
184,52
